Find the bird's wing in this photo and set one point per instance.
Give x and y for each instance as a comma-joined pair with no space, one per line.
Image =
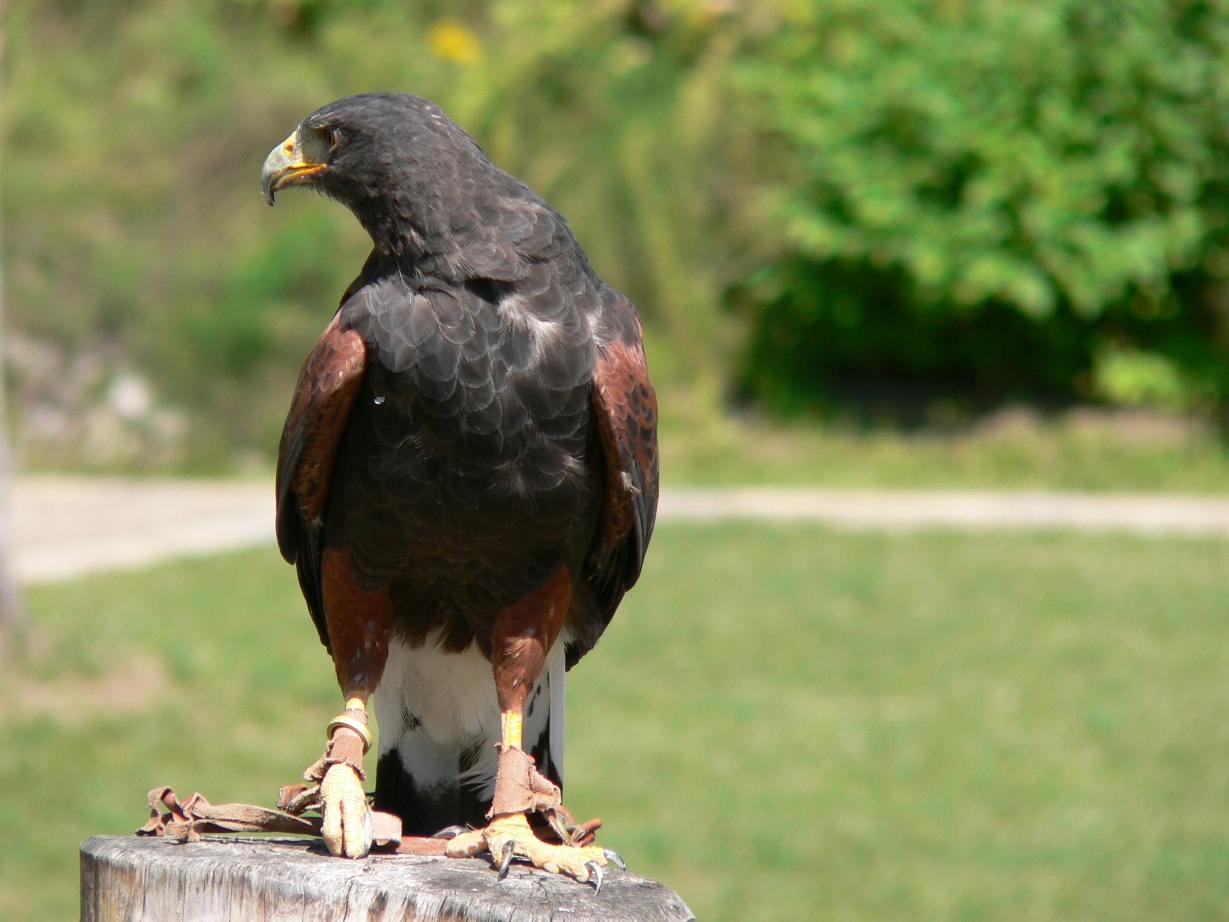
328,385
625,406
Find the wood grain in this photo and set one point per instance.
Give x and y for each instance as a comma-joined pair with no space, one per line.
227,879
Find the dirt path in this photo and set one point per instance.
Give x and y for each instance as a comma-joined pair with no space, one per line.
905,510
67,527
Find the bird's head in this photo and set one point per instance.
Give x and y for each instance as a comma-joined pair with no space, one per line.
389,157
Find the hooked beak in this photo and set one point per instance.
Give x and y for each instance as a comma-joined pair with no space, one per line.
291,163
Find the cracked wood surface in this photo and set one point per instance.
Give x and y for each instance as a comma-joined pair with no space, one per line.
227,879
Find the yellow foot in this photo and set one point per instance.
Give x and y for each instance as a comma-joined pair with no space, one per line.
509,837
345,819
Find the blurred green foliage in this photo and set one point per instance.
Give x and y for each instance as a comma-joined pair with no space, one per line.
986,198
134,134
809,202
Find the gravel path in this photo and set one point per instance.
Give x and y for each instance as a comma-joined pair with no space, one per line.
67,527
910,510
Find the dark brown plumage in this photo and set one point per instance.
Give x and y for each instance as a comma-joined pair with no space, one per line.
476,420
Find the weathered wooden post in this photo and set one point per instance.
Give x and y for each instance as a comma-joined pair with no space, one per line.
228,879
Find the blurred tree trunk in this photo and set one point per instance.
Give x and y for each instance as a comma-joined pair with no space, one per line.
12,612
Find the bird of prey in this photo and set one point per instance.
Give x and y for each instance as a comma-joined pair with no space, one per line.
467,482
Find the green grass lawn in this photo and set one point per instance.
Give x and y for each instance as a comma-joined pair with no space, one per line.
782,723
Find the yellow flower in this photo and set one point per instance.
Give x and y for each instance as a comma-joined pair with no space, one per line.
450,40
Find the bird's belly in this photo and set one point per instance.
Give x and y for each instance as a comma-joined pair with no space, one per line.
458,528
439,723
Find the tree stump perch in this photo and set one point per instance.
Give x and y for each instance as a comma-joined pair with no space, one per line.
224,878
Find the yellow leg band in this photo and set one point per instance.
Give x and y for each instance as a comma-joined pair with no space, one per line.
357,726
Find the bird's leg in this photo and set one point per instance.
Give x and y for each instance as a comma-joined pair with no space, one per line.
360,624
523,636
345,818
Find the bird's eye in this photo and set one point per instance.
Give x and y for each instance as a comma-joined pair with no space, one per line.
335,137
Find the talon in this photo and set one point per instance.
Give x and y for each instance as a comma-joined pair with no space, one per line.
506,861
510,836
560,827
615,858
450,832
596,876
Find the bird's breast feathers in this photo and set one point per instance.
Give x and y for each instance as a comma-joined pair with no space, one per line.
476,403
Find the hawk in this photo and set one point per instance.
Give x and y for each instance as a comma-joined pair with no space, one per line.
467,482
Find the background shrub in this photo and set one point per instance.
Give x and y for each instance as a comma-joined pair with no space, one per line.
984,198
895,205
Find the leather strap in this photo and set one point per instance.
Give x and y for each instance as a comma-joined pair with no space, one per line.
344,746
190,818
520,787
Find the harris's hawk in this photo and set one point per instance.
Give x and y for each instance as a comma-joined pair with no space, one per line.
467,481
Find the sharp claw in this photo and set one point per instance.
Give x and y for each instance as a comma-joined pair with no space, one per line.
506,861
450,832
562,830
596,876
615,858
